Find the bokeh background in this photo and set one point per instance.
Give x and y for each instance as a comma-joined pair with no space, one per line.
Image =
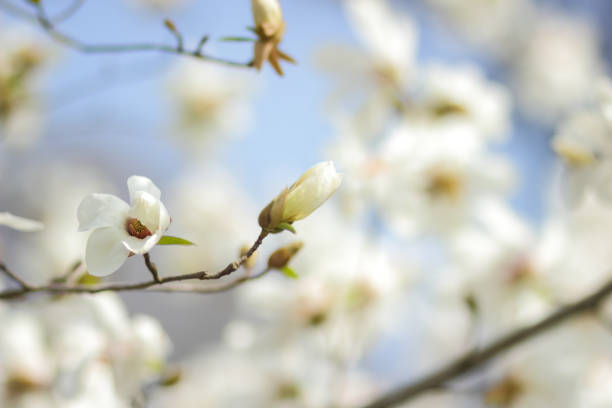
106,117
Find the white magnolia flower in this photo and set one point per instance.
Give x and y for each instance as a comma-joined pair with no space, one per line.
460,95
390,37
584,144
489,23
19,223
370,82
22,59
307,194
211,104
555,70
436,181
121,229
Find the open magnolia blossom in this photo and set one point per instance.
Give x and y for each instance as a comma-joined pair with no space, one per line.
269,27
297,202
19,223
583,143
121,229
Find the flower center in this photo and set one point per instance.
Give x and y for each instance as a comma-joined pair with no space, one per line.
504,393
574,156
136,229
447,108
444,183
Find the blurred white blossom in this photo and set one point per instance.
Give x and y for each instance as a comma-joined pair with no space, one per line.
555,70
369,84
490,24
22,57
80,351
584,144
19,223
211,105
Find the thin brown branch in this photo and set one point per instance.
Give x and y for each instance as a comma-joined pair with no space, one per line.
479,356
62,288
48,25
151,267
209,289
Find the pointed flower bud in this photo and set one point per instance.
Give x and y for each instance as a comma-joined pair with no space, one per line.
307,194
282,256
268,17
269,27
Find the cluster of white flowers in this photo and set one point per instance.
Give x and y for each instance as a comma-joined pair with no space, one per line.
80,351
432,166
552,59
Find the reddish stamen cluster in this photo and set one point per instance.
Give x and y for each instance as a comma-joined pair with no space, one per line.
136,229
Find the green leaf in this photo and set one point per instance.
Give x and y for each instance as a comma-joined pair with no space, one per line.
251,29
286,226
290,273
168,240
88,279
237,39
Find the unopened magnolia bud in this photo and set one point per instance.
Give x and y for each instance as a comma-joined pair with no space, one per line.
270,28
282,256
272,216
307,194
252,260
268,18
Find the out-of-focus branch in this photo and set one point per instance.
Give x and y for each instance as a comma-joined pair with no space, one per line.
20,12
154,284
68,12
12,276
48,24
479,356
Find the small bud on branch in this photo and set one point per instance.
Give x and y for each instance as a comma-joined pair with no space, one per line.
282,256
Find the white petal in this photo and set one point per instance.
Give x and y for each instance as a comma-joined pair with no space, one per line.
105,253
139,183
311,190
576,185
603,182
19,223
101,210
142,246
146,208
164,218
